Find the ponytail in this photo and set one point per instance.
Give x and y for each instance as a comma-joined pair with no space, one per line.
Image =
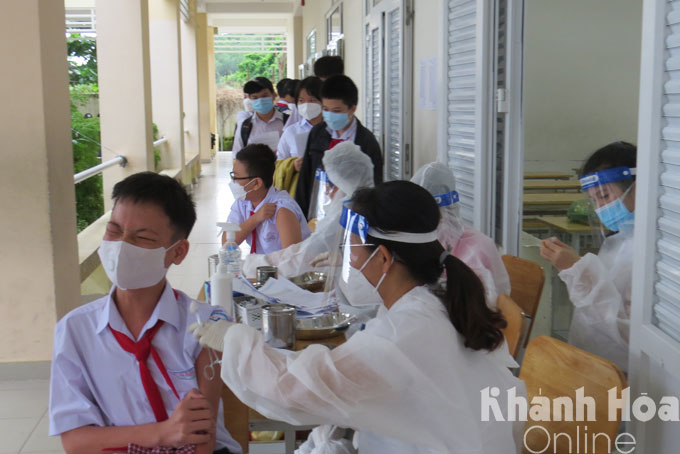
466,304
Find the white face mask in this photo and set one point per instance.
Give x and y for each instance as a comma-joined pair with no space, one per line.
131,267
239,192
309,110
248,104
357,289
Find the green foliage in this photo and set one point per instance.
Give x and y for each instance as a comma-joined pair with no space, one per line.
156,151
227,143
226,64
82,60
254,65
86,140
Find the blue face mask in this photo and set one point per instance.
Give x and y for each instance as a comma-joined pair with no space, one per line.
615,215
336,120
263,105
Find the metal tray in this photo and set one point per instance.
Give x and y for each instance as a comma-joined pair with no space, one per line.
313,281
322,326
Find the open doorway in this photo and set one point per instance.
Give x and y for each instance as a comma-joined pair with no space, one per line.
581,64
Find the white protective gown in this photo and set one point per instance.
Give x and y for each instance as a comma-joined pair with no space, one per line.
406,382
600,288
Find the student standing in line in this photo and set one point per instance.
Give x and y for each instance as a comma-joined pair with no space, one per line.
269,218
286,89
294,138
324,67
339,96
266,123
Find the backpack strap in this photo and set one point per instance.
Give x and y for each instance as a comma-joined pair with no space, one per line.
246,129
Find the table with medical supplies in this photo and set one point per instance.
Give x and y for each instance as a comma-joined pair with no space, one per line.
241,420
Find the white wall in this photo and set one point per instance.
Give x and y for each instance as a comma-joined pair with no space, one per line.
581,78
426,44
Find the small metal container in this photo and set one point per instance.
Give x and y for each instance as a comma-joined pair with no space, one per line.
313,281
278,325
213,261
265,272
323,326
248,310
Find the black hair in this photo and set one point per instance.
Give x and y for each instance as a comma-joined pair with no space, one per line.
287,87
385,207
340,87
615,154
162,191
260,161
312,85
330,65
257,84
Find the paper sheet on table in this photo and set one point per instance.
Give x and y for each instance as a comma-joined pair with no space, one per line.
287,292
243,285
301,142
271,139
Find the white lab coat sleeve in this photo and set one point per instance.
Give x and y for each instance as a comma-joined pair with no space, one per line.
361,384
600,323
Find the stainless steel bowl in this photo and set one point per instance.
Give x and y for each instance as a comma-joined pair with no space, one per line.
313,281
322,326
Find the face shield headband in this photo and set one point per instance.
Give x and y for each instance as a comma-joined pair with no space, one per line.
447,199
357,224
607,176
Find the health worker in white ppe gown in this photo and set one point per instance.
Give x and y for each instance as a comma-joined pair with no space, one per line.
600,285
475,249
347,169
412,380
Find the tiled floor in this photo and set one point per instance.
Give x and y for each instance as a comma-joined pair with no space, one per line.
23,403
23,418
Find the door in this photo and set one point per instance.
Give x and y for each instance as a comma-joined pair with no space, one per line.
388,81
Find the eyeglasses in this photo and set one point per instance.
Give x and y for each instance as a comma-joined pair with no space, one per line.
231,174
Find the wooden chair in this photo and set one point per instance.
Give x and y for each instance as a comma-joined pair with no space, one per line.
553,369
526,285
515,329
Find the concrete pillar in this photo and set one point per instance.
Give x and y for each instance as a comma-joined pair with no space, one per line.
166,80
190,88
124,88
212,86
203,67
38,246
295,45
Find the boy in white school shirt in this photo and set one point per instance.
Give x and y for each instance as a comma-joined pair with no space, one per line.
125,372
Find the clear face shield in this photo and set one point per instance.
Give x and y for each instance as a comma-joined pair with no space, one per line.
611,198
322,196
356,250
450,227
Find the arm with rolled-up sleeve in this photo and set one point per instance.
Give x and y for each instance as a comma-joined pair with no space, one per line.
72,403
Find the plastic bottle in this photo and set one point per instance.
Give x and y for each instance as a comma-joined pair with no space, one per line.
221,283
233,255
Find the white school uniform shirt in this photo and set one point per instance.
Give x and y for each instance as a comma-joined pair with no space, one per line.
95,382
292,138
266,232
350,134
293,118
260,127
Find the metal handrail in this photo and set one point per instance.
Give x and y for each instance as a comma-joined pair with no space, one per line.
96,170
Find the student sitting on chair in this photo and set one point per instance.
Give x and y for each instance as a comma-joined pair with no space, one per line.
266,123
269,218
339,97
106,391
